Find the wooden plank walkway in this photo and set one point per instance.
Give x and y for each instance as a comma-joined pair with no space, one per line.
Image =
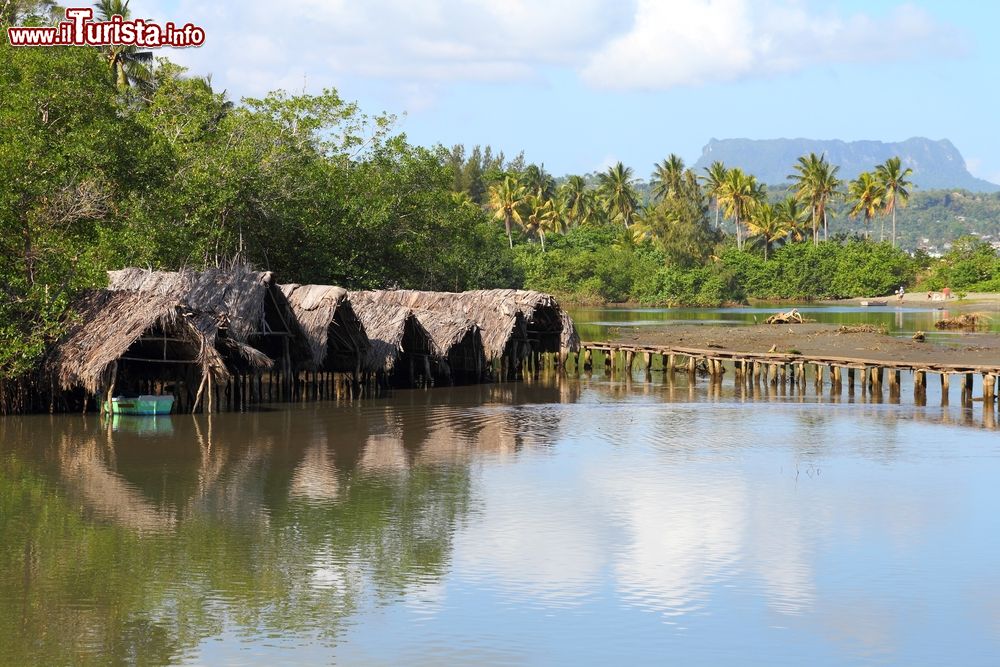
779,367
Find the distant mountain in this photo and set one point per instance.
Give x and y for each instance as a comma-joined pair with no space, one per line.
935,164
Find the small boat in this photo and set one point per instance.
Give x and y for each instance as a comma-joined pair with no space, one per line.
141,405
875,302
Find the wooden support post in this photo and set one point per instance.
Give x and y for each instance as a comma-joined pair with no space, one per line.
608,361
967,383
629,359
692,365
670,362
989,383
757,367
850,379
588,359
894,381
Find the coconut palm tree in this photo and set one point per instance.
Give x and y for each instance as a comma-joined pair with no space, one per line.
715,176
666,178
865,196
739,195
793,217
892,178
543,216
129,66
538,181
765,222
507,196
617,189
573,194
816,184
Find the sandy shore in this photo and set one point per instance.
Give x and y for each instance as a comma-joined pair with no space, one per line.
819,339
988,301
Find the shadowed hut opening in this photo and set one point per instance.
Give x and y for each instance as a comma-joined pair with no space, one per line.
413,367
466,361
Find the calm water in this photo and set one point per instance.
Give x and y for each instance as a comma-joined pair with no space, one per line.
572,522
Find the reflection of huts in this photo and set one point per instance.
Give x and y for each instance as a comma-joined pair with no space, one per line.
126,340
337,340
513,323
452,353
250,310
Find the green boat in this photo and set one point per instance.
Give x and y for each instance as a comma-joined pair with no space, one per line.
141,405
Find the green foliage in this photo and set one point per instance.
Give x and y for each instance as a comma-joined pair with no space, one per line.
305,185
971,265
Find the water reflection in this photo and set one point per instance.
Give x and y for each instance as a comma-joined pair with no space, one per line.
590,519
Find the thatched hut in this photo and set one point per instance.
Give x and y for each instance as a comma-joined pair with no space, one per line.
400,349
129,342
337,340
514,324
249,308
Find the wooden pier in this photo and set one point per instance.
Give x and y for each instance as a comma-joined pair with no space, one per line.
792,369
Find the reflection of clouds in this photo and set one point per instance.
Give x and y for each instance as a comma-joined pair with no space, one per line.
531,543
680,536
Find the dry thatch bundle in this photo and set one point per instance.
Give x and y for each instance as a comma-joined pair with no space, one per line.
337,339
250,311
502,315
129,328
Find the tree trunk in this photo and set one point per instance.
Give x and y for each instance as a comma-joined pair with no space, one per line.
507,226
542,235
893,226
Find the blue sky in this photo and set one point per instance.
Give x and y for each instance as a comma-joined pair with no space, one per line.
578,84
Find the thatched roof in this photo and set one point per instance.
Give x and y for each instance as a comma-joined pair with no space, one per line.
108,323
317,308
238,296
245,303
496,312
444,328
385,325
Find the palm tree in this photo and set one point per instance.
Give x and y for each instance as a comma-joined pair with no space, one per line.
544,215
892,178
792,217
129,66
715,176
765,223
739,195
866,195
617,188
666,178
574,194
816,183
538,181
506,198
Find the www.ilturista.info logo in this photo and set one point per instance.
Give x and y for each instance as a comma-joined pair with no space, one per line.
79,30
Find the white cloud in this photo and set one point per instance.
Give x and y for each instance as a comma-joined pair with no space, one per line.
693,42
254,46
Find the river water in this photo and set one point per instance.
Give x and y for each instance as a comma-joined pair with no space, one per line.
559,521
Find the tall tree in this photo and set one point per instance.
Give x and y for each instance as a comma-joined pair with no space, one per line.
617,188
816,184
715,176
573,194
792,217
129,66
865,197
506,199
666,178
538,181
765,222
892,177
739,195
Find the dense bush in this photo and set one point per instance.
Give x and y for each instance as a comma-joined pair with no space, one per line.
971,265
